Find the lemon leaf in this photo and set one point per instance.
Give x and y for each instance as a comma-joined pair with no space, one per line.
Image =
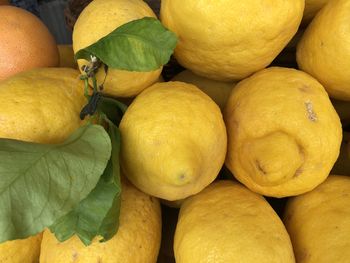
98,214
41,183
140,45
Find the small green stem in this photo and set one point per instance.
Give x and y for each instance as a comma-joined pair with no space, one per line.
94,83
86,88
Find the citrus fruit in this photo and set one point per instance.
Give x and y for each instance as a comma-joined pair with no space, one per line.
173,140
311,9
137,240
99,19
228,223
284,135
229,40
318,222
324,50
217,90
25,42
20,251
41,105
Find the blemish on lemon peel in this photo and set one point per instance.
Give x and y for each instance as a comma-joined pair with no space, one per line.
74,256
310,111
298,172
304,89
258,165
182,176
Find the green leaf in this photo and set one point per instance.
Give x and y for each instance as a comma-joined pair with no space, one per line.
140,45
41,183
98,214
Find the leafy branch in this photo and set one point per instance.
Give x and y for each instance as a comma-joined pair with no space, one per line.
74,187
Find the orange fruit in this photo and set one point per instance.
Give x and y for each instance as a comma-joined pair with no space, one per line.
25,42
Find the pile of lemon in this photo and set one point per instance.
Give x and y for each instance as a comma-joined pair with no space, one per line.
274,128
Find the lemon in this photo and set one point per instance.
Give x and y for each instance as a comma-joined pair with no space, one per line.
127,100
284,135
67,56
319,222
99,19
229,40
22,250
217,90
228,223
137,240
311,9
41,105
173,140
324,50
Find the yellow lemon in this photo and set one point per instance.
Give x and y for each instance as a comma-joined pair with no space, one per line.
319,222
217,90
99,19
137,240
228,223
324,50
284,135
173,140
41,105
311,9
229,40
20,251
128,100
67,56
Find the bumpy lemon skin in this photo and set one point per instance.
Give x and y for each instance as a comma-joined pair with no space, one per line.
22,250
41,105
324,50
173,140
229,40
284,135
318,222
137,240
228,223
97,20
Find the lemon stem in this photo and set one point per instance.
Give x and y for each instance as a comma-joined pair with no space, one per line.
90,73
